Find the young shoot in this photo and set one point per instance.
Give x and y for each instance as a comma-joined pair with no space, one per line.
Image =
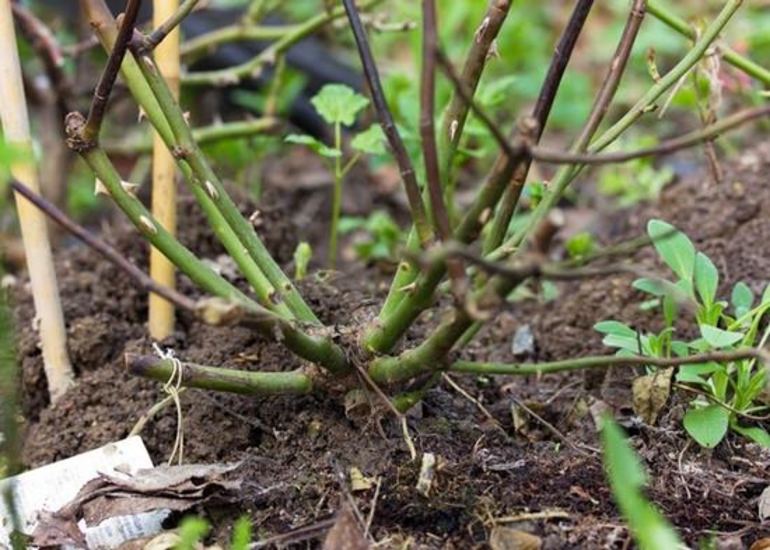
339,106
302,256
730,395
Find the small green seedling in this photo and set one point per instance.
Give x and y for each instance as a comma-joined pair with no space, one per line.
194,529
383,236
302,256
339,105
730,393
241,534
635,181
627,479
580,245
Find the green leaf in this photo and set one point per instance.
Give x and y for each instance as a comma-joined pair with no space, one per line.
338,104
719,338
706,278
580,244
627,479
755,433
707,425
241,534
191,531
693,374
674,247
317,146
351,223
623,466
616,328
679,348
371,141
660,287
741,298
766,295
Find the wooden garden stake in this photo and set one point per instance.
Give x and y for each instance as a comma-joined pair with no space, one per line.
161,315
45,292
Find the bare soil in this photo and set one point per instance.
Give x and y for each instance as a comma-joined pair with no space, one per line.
297,452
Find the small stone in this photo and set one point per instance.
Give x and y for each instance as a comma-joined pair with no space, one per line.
427,473
505,538
764,504
523,343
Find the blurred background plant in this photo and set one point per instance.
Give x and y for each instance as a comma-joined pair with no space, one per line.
508,85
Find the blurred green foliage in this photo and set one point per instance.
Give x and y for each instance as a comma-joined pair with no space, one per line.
509,85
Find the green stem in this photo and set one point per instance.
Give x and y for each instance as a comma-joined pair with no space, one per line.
336,198
354,159
385,331
203,136
219,379
233,75
316,349
140,88
601,361
186,261
452,128
234,33
456,113
748,66
190,152
406,274
430,355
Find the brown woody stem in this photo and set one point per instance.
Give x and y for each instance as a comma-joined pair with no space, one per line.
392,134
90,134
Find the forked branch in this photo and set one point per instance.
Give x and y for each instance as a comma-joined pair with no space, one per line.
89,134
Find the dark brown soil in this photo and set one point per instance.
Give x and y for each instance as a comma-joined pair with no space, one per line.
297,452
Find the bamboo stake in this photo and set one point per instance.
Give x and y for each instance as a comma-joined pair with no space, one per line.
161,313
45,292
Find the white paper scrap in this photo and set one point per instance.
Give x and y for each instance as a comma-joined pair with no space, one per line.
50,487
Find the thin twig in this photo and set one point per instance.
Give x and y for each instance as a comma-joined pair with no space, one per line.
296,536
385,117
561,56
544,154
377,390
109,253
525,268
720,403
429,149
612,79
448,379
605,361
462,91
90,133
427,113
667,147
475,61
151,41
555,431
372,508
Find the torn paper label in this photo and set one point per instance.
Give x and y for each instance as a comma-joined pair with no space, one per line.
47,489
